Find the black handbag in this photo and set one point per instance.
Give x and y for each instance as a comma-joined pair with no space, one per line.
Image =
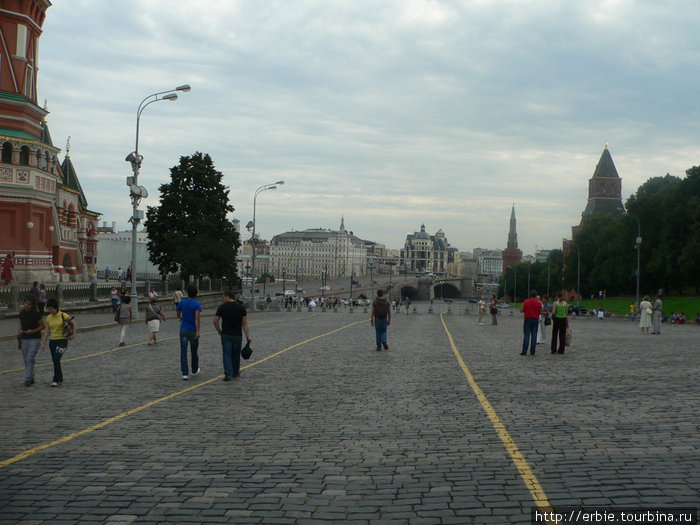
246,351
547,320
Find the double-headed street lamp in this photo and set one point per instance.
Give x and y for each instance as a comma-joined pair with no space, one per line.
262,188
137,192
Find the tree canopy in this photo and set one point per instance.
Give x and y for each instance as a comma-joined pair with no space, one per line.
604,255
189,231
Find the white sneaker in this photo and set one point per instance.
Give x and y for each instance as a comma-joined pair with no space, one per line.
185,378
197,372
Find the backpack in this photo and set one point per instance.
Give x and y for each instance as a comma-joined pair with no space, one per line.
381,308
67,326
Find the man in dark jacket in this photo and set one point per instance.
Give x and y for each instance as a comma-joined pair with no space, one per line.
381,319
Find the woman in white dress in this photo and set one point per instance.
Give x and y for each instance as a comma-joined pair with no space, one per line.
645,314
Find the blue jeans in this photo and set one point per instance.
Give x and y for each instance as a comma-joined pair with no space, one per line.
114,305
30,347
380,325
530,334
187,336
231,347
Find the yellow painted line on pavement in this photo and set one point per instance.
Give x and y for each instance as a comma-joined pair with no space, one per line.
133,345
118,417
521,464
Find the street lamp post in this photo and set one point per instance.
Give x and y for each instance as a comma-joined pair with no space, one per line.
578,275
137,192
637,245
262,188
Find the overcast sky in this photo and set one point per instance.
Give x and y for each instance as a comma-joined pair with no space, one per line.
388,113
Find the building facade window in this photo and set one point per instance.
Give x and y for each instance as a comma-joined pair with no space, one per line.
7,153
21,51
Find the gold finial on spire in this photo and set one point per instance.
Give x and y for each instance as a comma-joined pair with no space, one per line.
46,107
68,147
606,144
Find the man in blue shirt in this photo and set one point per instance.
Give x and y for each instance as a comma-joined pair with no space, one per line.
189,311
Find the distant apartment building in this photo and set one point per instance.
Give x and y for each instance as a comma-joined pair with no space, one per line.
423,252
313,252
490,264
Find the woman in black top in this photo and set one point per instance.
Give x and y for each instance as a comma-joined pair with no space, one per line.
31,324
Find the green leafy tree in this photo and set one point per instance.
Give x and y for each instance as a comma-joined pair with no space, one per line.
543,276
607,256
189,230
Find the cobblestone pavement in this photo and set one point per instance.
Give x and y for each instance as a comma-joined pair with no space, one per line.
323,428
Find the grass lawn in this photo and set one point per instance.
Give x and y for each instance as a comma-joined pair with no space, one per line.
621,305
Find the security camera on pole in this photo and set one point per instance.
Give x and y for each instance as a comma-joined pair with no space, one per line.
137,192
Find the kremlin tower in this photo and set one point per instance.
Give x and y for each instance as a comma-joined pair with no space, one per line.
512,256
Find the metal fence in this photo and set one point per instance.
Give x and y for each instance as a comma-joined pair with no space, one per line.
12,297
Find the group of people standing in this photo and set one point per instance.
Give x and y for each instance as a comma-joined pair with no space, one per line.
650,315
536,312
493,309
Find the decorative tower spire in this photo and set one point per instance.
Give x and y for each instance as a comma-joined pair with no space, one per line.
512,233
68,147
342,224
512,255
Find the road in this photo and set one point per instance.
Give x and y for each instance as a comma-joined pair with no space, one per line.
450,425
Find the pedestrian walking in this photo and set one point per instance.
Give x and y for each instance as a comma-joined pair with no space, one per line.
407,302
531,309
645,312
56,335
177,297
656,315
380,318
544,320
560,323
125,316
234,322
114,296
31,324
7,266
481,308
493,310
189,311
34,290
123,292
41,303
120,274
107,272
154,314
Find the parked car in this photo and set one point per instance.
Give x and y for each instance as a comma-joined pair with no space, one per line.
354,282
578,310
326,288
503,305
